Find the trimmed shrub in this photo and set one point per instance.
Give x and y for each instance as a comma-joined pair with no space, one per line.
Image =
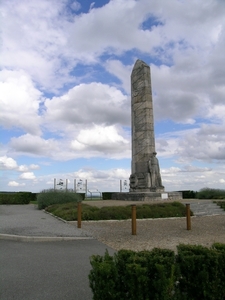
133,275
17,198
196,272
202,272
49,197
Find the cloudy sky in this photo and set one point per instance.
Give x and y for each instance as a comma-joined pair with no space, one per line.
65,91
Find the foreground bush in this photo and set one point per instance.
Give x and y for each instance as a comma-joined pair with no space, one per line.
49,197
68,211
17,198
207,193
195,272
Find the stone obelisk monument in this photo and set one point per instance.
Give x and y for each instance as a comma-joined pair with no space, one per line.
145,175
145,178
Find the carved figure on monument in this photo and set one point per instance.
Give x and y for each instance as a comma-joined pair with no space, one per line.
154,170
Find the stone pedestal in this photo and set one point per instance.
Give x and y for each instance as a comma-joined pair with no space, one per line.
147,196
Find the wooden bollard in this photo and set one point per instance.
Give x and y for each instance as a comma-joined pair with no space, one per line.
134,226
79,215
188,216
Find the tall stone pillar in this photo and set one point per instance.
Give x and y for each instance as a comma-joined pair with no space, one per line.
145,175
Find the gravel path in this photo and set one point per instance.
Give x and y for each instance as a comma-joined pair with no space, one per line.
161,233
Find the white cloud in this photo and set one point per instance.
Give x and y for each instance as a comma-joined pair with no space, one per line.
7,163
35,145
95,141
194,179
15,184
75,5
27,175
122,72
34,39
34,167
206,144
104,140
86,104
19,101
23,168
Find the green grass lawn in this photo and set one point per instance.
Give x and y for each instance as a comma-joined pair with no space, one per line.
68,211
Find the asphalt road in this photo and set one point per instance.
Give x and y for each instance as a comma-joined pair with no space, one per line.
32,269
47,270
27,220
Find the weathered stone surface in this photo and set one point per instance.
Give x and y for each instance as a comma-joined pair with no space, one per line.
145,175
147,196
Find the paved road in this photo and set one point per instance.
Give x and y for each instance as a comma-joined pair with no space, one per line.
47,270
27,220
56,268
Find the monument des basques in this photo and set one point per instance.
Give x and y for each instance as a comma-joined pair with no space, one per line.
145,179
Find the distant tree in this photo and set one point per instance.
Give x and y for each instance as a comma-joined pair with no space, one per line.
209,193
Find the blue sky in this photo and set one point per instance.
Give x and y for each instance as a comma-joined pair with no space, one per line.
65,91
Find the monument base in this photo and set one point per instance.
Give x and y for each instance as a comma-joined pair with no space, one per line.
147,196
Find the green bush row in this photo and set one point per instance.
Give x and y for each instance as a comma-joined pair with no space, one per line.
107,195
68,211
196,272
207,193
49,197
17,198
188,194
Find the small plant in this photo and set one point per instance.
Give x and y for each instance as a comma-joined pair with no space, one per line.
221,204
49,197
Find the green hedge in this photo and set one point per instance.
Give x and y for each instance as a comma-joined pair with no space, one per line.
195,272
202,272
49,197
208,193
17,198
107,195
188,194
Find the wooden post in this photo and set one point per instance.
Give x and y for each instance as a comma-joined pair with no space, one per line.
188,216
79,215
134,219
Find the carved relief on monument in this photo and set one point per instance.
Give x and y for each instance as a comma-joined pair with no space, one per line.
133,181
154,170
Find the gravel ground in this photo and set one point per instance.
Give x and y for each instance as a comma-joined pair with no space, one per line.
151,233
161,233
